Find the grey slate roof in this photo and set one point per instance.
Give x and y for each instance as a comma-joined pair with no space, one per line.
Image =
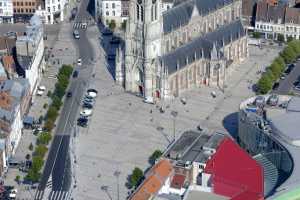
181,14
17,89
202,46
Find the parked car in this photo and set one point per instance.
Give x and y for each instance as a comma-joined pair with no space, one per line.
79,61
39,92
260,101
75,74
275,86
91,95
92,90
86,112
297,87
273,100
282,77
88,100
82,121
87,105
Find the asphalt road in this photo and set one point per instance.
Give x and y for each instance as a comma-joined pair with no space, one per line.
58,162
286,86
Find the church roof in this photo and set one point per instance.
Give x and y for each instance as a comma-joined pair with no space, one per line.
181,14
203,46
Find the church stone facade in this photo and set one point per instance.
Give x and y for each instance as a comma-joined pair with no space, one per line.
193,44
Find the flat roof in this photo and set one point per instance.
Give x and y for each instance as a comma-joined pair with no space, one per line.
287,124
198,195
194,146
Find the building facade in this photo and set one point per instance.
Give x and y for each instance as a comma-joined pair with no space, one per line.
277,20
6,11
25,9
116,10
189,45
30,53
14,103
54,9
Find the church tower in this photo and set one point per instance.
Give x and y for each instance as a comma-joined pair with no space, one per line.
142,46
153,37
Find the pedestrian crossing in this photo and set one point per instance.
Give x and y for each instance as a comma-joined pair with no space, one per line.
80,25
53,195
59,195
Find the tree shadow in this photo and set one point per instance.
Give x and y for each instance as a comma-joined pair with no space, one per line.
230,123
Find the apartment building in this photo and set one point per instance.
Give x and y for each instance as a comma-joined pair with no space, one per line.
6,11
30,53
14,101
54,11
24,9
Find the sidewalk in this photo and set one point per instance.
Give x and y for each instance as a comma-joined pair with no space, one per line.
62,52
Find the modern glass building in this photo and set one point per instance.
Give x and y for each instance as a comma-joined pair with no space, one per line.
269,131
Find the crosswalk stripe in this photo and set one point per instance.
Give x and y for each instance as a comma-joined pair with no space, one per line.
80,25
39,195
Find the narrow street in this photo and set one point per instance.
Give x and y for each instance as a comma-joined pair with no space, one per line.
57,171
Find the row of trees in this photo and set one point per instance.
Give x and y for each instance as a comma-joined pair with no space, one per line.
44,138
274,71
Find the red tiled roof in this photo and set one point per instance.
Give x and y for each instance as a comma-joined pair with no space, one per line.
8,62
157,176
178,181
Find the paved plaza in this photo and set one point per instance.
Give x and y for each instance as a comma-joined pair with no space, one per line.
124,131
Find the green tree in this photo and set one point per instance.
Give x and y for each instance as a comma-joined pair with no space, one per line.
49,124
264,84
290,38
40,150
52,113
270,75
44,138
136,177
33,176
112,25
66,70
256,34
280,38
279,60
155,155
18,178
56,102
276,70
295,45
59,90
288,54
37,163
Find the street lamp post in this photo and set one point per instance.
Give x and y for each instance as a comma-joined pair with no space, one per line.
117,174
105,189
174,114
